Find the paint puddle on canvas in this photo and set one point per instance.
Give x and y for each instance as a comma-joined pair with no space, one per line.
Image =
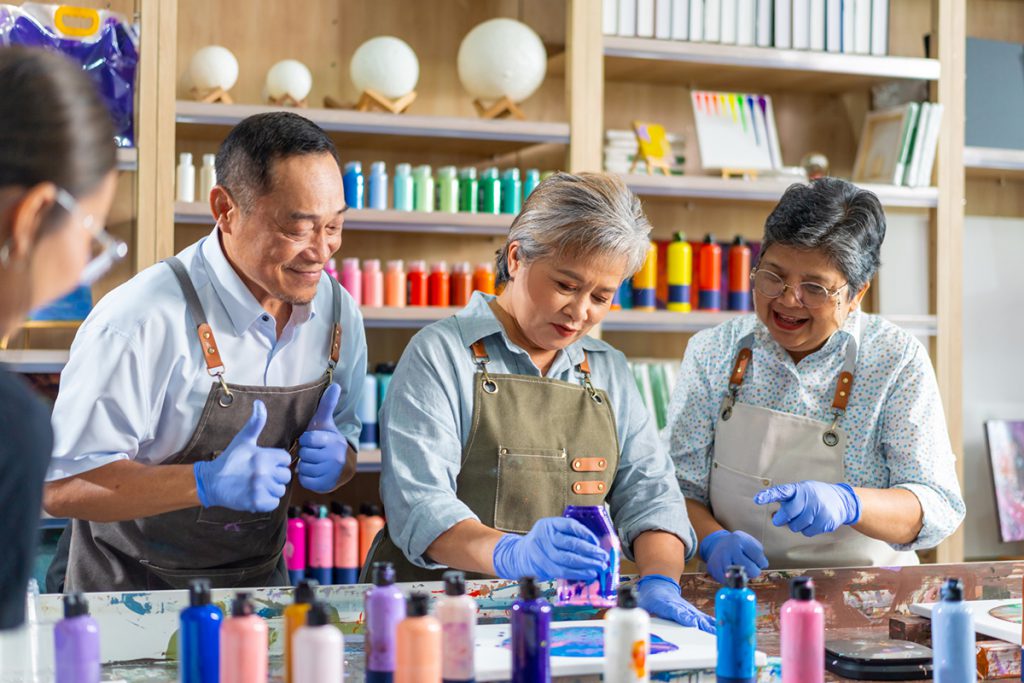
588,641
1011,613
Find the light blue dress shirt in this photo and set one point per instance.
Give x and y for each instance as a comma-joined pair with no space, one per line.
896,430
427,416
136,382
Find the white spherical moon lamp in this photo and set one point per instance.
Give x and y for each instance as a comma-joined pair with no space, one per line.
386,65
213,67
290,78
502,58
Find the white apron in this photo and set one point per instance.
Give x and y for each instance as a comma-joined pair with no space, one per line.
758,447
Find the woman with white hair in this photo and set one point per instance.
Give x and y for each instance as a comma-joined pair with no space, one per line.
498,418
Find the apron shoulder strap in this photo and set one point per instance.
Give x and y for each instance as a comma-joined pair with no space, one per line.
334,353
207,342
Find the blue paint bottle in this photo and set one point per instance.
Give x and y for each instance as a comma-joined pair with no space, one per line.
511,191
378,194
953,637
353,182
199,636
531,635
736,620
624,295
530,181
403,187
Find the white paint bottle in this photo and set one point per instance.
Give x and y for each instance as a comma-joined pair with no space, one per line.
186,178
627,640
207,177
318,649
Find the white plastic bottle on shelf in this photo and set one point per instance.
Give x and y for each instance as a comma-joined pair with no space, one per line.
207,177
186,178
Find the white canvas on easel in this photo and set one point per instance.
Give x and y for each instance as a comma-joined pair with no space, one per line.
735,131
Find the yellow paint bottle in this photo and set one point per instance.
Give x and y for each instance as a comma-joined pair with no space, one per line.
295,618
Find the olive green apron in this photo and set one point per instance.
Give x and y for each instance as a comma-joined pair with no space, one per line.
535,446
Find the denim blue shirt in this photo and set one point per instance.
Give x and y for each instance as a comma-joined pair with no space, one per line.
427,416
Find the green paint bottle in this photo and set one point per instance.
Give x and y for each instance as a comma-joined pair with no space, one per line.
468,190
511,191
447,190
490,191
422,189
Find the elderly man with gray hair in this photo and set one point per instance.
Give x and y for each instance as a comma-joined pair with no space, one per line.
811,434
501,416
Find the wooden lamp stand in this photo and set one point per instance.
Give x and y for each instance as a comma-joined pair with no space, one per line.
501,108
212,95
286,100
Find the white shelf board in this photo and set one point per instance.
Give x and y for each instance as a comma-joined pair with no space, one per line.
695,321
33,360
385,220
407,317
983,161
763,190
127,159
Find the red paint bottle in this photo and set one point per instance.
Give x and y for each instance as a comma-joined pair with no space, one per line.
417,279
440,285
709,270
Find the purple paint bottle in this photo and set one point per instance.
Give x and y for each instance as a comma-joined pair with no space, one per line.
601,592
531,635
384,608
76,640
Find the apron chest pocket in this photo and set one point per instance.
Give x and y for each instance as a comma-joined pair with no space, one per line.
532,483
732,500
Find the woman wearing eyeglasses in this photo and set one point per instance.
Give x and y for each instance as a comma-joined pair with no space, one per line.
811,434
57,179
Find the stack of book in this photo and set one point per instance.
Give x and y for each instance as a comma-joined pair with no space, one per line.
621,148
850,26
918,144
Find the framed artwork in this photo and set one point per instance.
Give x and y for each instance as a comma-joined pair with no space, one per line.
1006,453
881,154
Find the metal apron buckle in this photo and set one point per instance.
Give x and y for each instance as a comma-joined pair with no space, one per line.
831,438
729,402
489,385
227,398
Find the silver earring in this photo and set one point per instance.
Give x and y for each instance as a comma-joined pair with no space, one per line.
5,254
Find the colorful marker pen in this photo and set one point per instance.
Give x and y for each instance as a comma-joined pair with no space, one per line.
199,636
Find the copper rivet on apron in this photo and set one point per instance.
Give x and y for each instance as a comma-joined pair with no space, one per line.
766,482
577,488
504,451
600,486
601,463
576,465
206,335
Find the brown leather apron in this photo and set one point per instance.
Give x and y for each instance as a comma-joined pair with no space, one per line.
536,446
231,548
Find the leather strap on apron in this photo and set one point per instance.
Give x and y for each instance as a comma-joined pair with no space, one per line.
231,548
536,445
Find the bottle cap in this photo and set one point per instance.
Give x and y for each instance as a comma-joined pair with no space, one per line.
469,173
322,512
488,266
679,236
198,592
528,588
340,509
382,574
317,614
439,267
802,588
739,241
350,264
422,170
709,239
446,172
403,169
511,174
533,173
209,159
460,267
294,512
952,590
419,605
735,577
241,606
305,592
371,264
185,158
396,266
490,173
75,605
386,368
309,509
417,266
454,583
374,510
626,595
354,166
378,168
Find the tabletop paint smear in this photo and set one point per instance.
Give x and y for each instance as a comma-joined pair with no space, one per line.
588,641
1011,613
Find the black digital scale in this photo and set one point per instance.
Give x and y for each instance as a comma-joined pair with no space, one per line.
878,660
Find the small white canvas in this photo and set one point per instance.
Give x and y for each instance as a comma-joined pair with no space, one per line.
985,622
735,131
694,650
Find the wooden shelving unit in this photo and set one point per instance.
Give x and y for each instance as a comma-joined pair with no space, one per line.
127,159
982,162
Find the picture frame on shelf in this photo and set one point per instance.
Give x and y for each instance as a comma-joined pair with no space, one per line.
880,153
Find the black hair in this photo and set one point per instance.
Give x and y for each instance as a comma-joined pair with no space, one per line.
246,156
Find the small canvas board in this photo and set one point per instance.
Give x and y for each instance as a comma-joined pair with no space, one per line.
1006,451
994,618
735,130
577,649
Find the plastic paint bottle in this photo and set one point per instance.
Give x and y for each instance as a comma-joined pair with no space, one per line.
395,285
802,632
76,642
373,283
353,182
207,177
547,174
457,613
332,269
417,278
384,607
366,411
423,189
530,181
468,189
378,190
199,636
186,177
625,294
418,644
602,592
346,545
680,274
319,649
531,635
461,284
739,276
645,282
440,285
369,526
320,565
403,187
243,644
294,619
352,279
511,191
709,269
483,278
385,371
295,547
953,637
447,190
627,640
490,191
736,622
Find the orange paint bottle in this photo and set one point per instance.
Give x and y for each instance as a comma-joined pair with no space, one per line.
418,644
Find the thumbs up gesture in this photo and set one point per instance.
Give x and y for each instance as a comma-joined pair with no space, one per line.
245,477
322,448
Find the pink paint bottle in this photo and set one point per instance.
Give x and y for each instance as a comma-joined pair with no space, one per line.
352,279
243,644
321,552
373,283
418,644
803,635
346,545
295,546
457,613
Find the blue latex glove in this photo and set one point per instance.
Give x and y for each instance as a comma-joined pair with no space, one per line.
555,548
322,449
659,595
245,476
724,548
812,507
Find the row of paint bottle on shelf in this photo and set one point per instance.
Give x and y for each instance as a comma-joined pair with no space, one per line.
401,285
681,276
452,190
329,544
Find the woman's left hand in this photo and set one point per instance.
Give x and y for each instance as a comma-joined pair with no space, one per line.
661,597
812,507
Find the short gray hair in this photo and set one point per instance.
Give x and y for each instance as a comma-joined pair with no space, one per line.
579,215
835,217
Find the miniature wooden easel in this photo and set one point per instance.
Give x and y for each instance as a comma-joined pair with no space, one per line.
652,148
745,174
213,95
499,109
651,163
286,100
372,100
